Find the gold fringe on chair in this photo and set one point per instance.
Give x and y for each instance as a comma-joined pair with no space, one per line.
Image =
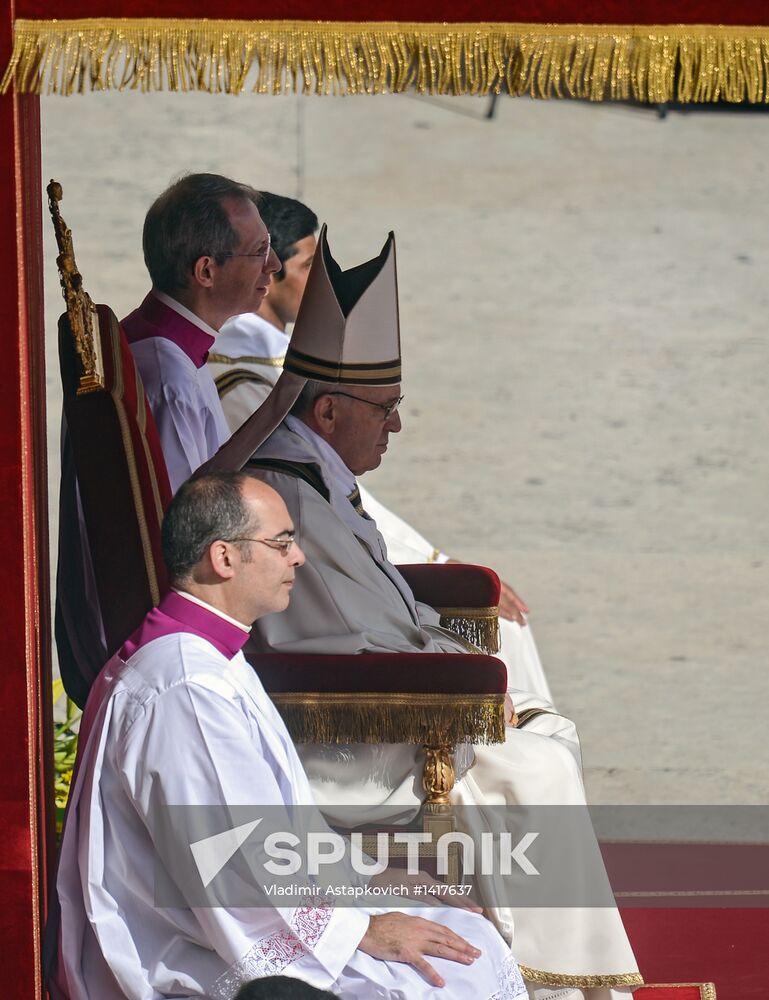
652,63
433,719
480,626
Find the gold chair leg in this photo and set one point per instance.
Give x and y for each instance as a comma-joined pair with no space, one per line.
438,780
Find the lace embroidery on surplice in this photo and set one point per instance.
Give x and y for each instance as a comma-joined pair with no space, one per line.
271,954
511,982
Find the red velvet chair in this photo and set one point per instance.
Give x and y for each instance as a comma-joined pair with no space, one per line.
435,700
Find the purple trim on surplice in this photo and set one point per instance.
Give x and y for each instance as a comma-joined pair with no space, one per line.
154,318
176,614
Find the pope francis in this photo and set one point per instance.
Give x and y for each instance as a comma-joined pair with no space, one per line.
328,419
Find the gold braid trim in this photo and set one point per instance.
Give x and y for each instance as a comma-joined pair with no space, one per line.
652,63
580,982
684,893
234,377
130,457
356,501
480,626
392,718
530,713
246,359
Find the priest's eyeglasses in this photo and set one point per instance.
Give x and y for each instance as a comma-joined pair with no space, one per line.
282,545
388,408
263,252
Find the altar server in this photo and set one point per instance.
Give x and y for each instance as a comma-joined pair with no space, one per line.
179,718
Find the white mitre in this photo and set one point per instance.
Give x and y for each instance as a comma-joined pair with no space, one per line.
347,332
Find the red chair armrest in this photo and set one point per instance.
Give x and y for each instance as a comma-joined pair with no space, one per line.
402,673
453,585
436,699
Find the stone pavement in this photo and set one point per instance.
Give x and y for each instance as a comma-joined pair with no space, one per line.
584,304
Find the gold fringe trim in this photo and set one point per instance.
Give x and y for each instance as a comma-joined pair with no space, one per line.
580,982
651,63
480,626
432,719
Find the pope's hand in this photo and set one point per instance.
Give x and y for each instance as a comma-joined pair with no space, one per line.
510,604
511,716
397,937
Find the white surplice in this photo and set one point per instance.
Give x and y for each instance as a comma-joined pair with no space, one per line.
180,389
246,361
181,723
348,598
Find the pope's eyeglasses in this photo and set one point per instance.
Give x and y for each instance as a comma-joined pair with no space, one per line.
389,408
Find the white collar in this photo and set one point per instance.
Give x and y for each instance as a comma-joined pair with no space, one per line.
209,607
342,475
185,312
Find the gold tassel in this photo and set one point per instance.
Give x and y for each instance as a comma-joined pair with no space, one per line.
431,719
480,626
651,63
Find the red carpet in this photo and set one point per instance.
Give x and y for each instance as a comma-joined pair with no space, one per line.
679,991
695,913
727,947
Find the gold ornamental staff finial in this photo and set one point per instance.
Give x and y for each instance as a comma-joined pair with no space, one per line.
80,309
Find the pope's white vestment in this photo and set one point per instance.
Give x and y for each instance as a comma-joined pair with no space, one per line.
178,717
369,610
246,361
347,599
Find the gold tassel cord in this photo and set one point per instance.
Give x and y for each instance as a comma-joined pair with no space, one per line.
650,63
392,718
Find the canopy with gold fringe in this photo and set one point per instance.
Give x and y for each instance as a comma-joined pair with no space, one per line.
644,50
